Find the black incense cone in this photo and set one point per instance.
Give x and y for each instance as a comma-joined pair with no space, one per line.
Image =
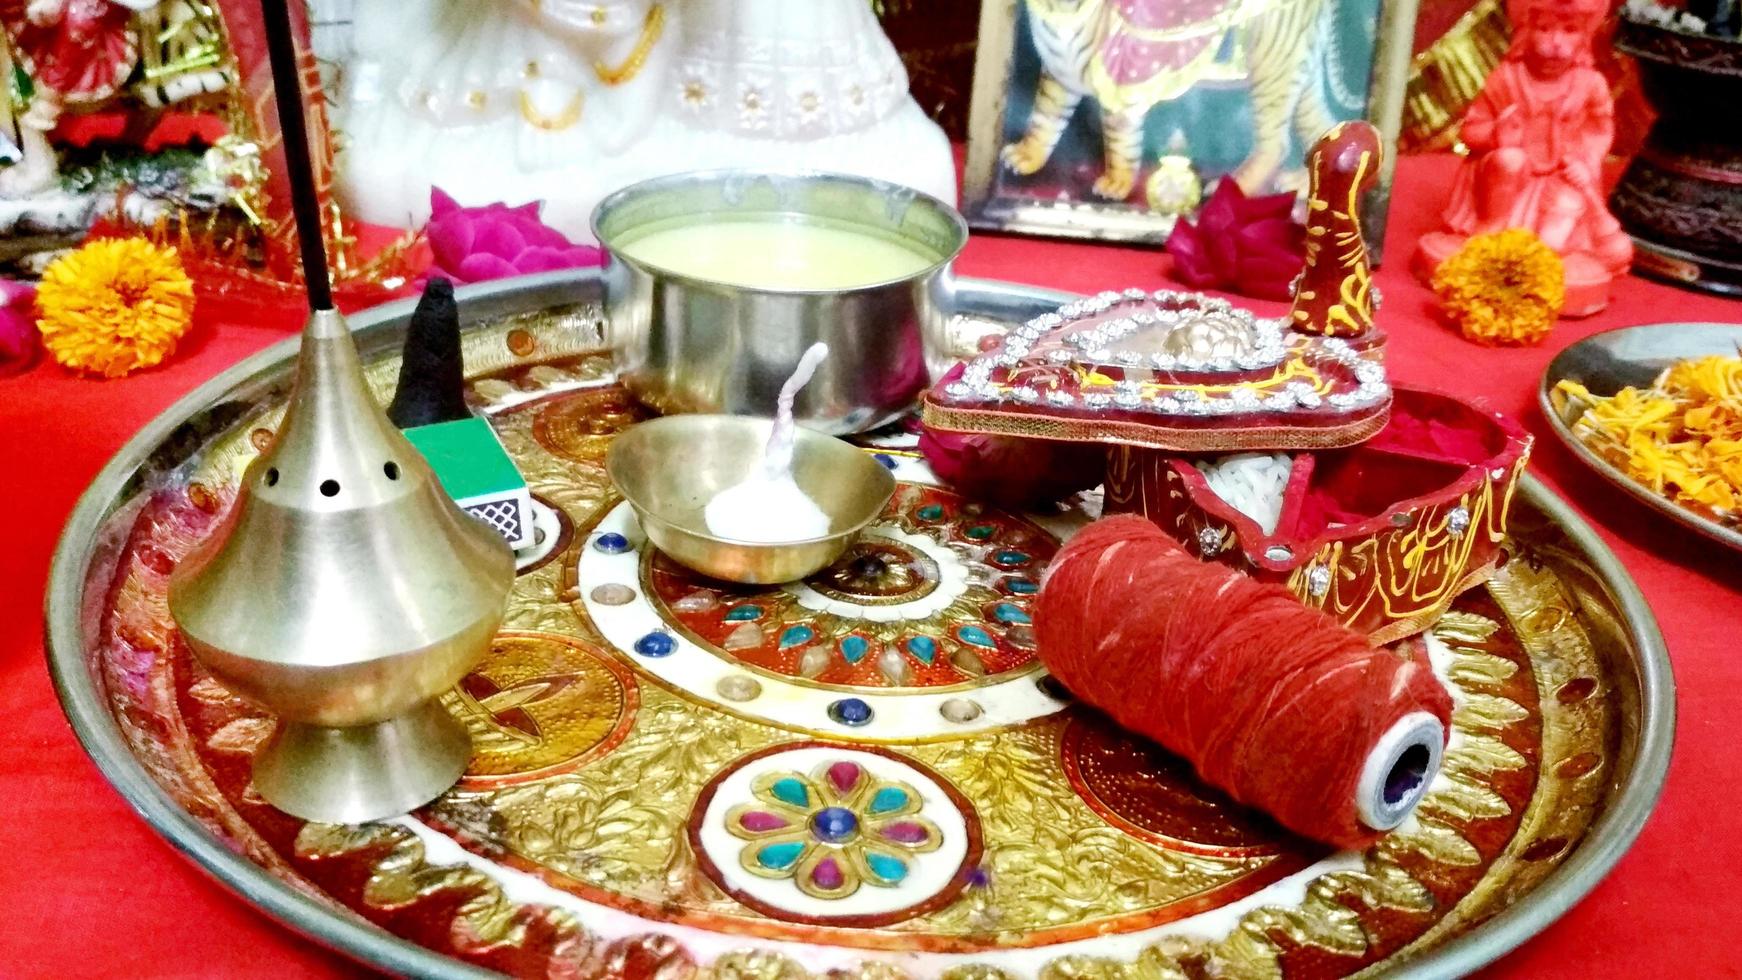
432,377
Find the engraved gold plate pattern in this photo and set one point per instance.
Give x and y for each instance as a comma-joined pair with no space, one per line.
1080,849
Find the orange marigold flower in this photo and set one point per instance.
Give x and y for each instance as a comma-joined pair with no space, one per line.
114,306
1682,436
1506,287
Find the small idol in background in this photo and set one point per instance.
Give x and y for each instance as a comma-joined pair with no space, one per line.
1537,137
565,101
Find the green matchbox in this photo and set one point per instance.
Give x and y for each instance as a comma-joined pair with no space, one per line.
476,471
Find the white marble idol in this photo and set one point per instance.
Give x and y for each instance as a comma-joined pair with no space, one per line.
568,100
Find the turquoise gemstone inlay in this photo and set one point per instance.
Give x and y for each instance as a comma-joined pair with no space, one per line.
923,648
854,648
981,532
885,866
931,512
888,799
1022,586
778,857
796,635
1010,557
1006,612
792,791
743,614
976,636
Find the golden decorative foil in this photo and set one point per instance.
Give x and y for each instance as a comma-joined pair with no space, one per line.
538,702
1447,77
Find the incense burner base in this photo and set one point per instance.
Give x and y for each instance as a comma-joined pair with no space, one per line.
366,772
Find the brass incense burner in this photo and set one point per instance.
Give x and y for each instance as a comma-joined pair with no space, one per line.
343,593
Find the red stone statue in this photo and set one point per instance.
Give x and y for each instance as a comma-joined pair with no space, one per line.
1537,137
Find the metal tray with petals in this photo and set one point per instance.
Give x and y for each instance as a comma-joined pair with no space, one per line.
865,774
1633,357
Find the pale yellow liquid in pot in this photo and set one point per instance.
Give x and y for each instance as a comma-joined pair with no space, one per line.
776,254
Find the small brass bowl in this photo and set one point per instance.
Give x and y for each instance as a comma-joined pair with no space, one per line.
669,468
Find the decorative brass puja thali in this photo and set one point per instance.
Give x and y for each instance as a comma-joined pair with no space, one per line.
658,757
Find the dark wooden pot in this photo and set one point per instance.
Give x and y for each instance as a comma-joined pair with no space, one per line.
1681,198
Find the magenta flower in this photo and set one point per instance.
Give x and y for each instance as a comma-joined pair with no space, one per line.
19,339
1251,245
494,241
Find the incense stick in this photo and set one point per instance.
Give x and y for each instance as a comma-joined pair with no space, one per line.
304,202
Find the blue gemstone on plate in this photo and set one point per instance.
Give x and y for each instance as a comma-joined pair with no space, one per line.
885,866
854,648
796,635
611,543
887,460
850,711
790,790
834,824
931,512
744,613
1021,586
1006,612
656,644
923,648
1010,557
981,532
779,857
975,635
888,800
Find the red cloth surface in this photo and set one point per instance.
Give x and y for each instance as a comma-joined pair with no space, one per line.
87,889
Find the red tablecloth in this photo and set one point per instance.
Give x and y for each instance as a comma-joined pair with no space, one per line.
86,888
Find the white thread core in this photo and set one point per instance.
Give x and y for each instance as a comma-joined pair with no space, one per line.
1399,770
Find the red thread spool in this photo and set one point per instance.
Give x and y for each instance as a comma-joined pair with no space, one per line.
1274,703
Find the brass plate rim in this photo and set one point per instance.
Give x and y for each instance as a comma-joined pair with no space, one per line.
115,489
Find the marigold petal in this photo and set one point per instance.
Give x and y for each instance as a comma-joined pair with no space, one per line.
114,306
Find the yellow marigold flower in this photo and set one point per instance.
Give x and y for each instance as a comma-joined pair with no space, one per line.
1502,288
114,306
1682,436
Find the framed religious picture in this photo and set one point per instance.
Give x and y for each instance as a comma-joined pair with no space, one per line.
1111,119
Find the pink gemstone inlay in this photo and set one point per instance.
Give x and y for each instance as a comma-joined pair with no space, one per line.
845,776
827,874
906,832
758,821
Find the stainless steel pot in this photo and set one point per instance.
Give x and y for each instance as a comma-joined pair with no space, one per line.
684,344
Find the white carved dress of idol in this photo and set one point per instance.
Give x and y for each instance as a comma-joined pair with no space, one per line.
770,507
568,100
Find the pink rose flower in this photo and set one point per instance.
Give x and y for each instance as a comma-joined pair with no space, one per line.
1250,245
19,338
494,241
